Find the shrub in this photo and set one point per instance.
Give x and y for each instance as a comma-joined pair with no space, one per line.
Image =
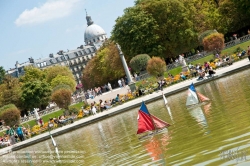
139,62
237,50
205,34
214,42
156,67
62,97
73,110
10,114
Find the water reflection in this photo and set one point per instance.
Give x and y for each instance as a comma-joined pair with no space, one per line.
199,116
157,146
113,141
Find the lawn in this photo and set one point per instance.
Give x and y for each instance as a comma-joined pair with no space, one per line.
228,51
48,116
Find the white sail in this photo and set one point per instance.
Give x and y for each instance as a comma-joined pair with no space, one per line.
192,96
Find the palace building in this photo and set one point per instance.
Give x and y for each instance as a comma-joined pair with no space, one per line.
76,59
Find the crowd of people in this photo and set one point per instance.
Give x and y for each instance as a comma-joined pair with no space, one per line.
13,135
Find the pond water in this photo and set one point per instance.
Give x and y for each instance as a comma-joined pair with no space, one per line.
214,134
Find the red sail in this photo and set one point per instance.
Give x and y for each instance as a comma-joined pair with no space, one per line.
159,123
145,123
202,97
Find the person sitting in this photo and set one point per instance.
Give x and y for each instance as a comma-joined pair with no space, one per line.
117,99
113,102
201,73
183,77
64,120
102,108
4,141
107,105
211,72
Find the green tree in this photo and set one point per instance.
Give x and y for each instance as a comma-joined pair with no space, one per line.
139,62
234,15
105,66
32,73
136,33
205,34
2,74
10,91
63,80
54,71
35,94
10,114
156,67
161,27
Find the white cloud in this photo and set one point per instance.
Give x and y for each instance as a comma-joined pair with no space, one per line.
75,28
50,10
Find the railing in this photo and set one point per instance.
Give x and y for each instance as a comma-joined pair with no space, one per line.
199,56
203,54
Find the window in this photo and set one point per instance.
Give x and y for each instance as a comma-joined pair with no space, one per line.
62,58
38,64
94,40
75,53
80,52
41,64
84,52
67,56
51,61
45,63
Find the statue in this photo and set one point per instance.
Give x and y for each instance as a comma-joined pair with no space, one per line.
183,63
182,60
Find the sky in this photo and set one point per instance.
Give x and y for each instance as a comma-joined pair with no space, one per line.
36,28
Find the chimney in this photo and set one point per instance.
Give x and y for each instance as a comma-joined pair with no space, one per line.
60,52
31,60
51,55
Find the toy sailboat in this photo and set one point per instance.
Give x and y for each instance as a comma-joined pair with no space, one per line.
148,123
195,98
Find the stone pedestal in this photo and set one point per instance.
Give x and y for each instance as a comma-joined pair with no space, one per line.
132,86
185,68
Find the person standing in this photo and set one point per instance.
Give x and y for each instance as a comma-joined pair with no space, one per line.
120,83
93,109
110,87
19,131
123,82
11,133
248,52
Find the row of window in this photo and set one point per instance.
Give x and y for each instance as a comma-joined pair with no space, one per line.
98,39
77,68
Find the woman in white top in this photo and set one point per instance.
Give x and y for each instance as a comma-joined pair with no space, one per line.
93,109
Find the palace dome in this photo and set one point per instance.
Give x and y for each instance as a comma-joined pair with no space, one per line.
93,33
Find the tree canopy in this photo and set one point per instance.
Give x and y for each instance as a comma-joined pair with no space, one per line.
63,80
103,67
161,27
35,94
54,71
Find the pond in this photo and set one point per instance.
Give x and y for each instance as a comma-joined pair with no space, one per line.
213,134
